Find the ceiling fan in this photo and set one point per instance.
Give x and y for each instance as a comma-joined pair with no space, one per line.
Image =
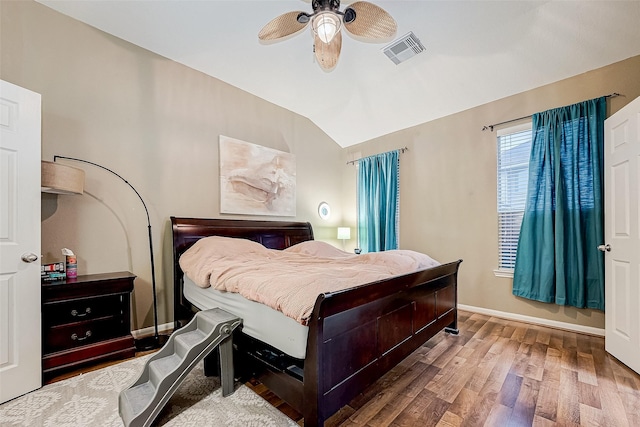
361,19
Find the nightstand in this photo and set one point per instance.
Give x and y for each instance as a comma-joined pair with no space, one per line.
86,320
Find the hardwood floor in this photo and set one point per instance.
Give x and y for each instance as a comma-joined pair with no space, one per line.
496,373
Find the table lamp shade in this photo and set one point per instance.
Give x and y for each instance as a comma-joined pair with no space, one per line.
344,233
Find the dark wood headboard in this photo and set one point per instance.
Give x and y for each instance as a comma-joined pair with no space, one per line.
187,231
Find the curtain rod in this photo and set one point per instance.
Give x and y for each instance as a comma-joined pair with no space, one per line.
352,162
490,127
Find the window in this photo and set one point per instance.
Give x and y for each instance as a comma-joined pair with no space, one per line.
514,149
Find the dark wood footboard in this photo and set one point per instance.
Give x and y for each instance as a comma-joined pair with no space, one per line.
359,334
355,336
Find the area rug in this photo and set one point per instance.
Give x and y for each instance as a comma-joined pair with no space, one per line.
91,399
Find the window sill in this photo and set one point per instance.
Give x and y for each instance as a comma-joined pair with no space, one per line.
503,272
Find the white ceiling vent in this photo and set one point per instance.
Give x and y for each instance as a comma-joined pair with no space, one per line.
404,48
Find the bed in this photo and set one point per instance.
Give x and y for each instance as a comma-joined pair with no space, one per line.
353,336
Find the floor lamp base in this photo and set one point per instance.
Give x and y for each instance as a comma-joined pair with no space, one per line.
151,343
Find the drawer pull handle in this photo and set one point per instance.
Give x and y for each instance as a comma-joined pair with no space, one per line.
75,337
75,313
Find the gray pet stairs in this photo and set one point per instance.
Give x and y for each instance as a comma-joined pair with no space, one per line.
142,401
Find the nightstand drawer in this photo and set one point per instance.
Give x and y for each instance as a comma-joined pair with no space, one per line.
82,309
77,334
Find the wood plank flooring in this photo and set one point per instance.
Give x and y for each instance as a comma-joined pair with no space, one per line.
496,373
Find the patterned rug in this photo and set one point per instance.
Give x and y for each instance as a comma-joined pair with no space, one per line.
91,399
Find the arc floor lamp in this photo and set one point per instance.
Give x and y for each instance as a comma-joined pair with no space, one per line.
156,340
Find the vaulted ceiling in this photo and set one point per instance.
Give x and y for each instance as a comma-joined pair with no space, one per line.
476,52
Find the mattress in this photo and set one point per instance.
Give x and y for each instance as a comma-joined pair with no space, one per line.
258,320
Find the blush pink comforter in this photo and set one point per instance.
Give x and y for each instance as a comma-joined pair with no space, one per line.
290,280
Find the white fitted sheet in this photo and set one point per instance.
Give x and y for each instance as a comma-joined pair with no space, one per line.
258,320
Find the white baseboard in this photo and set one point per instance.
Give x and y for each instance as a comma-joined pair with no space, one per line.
146,332
535,320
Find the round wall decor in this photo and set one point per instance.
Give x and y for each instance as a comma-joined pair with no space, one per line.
324,210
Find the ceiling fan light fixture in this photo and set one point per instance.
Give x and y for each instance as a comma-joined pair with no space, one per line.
326,25
361,19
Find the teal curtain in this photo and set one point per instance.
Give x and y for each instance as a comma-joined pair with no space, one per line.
557,259
378,202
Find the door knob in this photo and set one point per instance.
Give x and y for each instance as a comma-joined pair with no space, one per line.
30,257
605,248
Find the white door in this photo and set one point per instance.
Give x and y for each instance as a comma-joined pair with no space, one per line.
622,234
20,330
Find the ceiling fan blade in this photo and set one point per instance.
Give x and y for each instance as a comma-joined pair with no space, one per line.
327,54
282,26
371,21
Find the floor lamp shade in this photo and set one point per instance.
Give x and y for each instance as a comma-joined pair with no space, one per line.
61,179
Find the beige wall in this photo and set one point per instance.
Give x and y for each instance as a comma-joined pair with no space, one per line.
448,185
156,123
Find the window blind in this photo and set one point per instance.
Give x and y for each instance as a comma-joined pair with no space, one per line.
514,149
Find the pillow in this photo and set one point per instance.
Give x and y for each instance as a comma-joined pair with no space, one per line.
197,261
225,245
317,248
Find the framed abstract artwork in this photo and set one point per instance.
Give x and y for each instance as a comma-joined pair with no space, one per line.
256,180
